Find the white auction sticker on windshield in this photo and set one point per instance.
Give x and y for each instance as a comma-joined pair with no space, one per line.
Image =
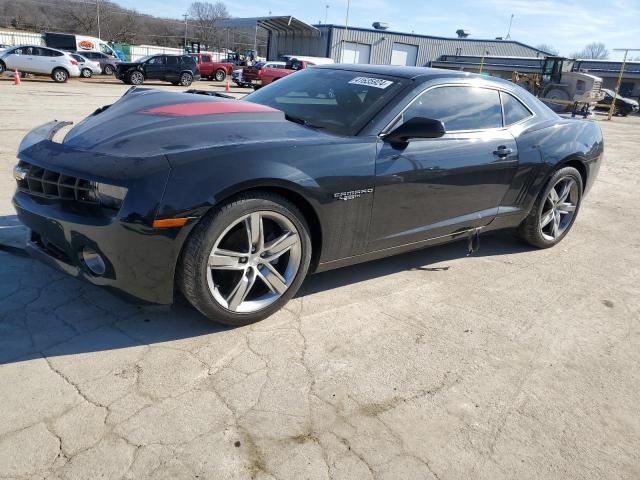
371,82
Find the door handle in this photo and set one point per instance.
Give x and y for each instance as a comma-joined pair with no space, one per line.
502,151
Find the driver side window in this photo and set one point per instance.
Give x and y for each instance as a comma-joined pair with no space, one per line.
458,107
156,61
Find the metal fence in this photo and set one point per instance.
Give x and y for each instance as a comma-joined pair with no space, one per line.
11,37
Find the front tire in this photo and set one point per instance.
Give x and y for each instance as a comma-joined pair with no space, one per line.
555,210
3,67
60,75
245,259
108,70
135,78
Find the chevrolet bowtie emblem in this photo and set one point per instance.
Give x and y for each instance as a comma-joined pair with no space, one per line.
19,172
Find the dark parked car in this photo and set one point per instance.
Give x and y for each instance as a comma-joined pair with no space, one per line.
107,63
177,69
234,202
624,106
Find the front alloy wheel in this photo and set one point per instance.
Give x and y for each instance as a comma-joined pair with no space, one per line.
246,259
254,262
136,78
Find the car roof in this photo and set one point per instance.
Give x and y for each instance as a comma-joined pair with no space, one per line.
395,71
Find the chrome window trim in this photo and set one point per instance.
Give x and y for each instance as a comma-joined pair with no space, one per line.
386,129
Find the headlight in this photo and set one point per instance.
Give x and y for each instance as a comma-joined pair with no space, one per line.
110,196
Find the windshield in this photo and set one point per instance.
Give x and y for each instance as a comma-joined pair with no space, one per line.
339,101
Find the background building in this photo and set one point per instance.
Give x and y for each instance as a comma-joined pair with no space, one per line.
369,45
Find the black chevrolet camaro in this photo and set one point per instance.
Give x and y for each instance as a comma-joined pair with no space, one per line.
234,202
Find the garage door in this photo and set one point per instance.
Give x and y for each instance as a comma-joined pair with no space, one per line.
356,53
403,54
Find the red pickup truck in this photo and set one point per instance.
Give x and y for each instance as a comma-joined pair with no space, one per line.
210,69
270,75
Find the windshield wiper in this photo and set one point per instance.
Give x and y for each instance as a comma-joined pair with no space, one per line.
302,121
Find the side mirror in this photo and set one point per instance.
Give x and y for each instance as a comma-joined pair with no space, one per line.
417,127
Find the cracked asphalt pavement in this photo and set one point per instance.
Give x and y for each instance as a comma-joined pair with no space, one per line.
513,363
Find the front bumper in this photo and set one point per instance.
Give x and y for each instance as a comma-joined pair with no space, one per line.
139,260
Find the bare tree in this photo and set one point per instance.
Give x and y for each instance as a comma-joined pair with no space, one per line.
545,47
205,15
595,50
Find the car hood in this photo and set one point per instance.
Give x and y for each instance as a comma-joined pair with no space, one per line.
147,122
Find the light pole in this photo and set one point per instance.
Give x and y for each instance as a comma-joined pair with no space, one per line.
326,13
484,52
346,31
508,37
626,51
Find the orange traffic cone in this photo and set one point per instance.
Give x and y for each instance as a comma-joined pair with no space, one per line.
227,88
16,77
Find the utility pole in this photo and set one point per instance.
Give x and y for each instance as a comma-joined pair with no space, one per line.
626,51
508,37
326,13
98,15
186,16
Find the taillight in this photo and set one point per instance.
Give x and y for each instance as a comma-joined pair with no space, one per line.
74,62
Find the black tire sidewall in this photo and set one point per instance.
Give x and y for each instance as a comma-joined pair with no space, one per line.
530,229
220,73
90,73
108,70
209,230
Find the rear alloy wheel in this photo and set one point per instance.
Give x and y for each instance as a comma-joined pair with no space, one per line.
220,75
59,75
186,79
108,70
2,68
247,260
136,78
555,211
86,73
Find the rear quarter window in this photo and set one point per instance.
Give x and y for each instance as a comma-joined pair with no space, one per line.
514,110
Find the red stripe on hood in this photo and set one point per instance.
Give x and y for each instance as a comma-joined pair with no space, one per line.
207,108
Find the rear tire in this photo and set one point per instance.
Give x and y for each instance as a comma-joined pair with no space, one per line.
553,214
108,70
3,67
86,73
59,75
211,285
220,75
186,79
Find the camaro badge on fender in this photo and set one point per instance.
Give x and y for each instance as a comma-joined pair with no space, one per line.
352,194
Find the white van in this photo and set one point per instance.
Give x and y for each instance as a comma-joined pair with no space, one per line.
80,43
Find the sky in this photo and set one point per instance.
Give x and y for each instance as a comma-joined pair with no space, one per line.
567,25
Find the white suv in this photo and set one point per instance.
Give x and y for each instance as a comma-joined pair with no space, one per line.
39,60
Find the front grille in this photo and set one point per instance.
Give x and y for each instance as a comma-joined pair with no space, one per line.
46,183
